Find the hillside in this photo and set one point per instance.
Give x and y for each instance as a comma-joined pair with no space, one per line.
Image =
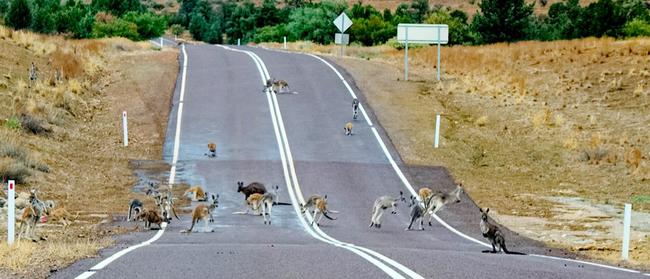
61,135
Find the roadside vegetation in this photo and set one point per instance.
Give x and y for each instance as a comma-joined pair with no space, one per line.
81,20
60,134
495,21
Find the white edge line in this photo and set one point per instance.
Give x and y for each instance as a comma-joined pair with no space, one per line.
442,222
158,234
313,231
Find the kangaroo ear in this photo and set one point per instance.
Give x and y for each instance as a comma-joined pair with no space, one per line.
487,210
325,196
480,209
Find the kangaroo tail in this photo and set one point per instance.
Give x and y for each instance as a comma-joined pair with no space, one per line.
281,203
192,226
327,216
174,212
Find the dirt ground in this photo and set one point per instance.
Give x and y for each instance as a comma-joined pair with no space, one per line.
84,167
540,132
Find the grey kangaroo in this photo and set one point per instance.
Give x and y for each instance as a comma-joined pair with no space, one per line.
381,204
417,212
494,234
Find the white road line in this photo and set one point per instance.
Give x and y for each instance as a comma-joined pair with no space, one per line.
442,222
158,234
297,197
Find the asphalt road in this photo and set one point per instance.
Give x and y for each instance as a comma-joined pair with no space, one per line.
224,103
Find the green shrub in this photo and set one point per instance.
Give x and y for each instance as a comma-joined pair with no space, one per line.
116,28
636,27
458,28
13,123
502,20
148,25
271,34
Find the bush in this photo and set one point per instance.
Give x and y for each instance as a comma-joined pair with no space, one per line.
33,125
116,28
458,28
148,25
177,29
271,33
636,27
13,123
10,169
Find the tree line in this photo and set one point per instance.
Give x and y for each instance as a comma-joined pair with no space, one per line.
100,18
226,21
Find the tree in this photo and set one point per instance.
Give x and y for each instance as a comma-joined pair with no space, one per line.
314,23
19,15
420,9
458,29
45,15
502,20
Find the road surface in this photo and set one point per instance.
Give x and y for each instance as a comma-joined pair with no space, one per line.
296,141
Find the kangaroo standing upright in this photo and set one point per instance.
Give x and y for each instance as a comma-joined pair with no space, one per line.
494,234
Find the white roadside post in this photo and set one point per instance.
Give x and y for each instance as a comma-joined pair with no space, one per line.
342,22
627,218
285,42
238,42
161,42
11,211
125,129
422,34
436,140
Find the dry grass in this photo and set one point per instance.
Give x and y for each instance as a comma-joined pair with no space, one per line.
25,257
80,163
520,121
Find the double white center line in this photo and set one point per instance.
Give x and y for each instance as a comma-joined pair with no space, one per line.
387,265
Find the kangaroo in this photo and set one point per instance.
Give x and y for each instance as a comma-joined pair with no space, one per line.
280,86
494,234
201,212
438,201
348,129
150,217
381,204
214,204
250,189
319,205
254,203
417,212
633,160
135,205
167,207
355,108
212,147
196,193
35,211
268,200
33,74
425,193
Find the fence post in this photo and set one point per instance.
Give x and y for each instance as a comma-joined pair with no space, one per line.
11,211
125,128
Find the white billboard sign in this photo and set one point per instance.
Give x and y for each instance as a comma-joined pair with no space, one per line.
423,33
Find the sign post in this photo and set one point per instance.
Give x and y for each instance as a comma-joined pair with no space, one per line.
422,34
342,22
285,42
125,128
11,211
